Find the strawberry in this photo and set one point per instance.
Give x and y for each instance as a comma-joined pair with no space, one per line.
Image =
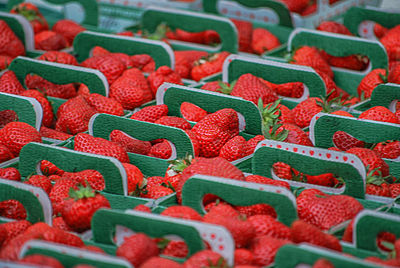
182,212
143,62
124,58
156,192
14,228
48,115
267,225
182,66
33,15
58,56
99,51
161,150
265,180
195,142
161,75
3,234
83,91
251,88
47,168
333,27
137,249
305,111
264,249
245,34
151,113
73,116
79,209
68,29
12,209
41,182
126,33
5,153
207,66
173,248
391,42
17,134
309,10
302,232
158,262
131,89
62,237
309,56
42,260
379,113
174,121
351,62
192,112
134,177
214,130
93,177
85,143
10,173
9,83
276,113
243,257
142,208
332,90
205,258
10,45
262,40
190,55
65,91
218,86
379,30
234,149
291,89
394,74
394,190
294,135
323,263
179,34
59,223
60,192
7,116
129,143
105,105
53,134
296,5
5,61
253,142
345,141
381,189
49,40
370,81
111,67
388,149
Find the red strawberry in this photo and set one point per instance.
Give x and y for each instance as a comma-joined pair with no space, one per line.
10,173
264,249
182,212
190,55
305,111
276,113
142,208
245,34
296,5
12,209
323,263
53,134
49,40
352,62
192,112
62,237
205,258
267,225
68,28
302,232
156,192
47,168
291,89
42,260
391,42
40,181
185,36
295,135
85,143
93,177
5,153
130,144
394,74
10,45
158,262
134,177
381,189
208,66
58,56
124,58
309,56
265,180
250,87
17,134
48,115
195,142
105,105
243,257
79,209
33,15
137,249
73,116
59,223
263,40
333,27
143,62
394,190
111,67
345,141
370,81
234,149
253,142
151,113
379,113
388,149
161,150
174,121
60,192
7,116
10,84
161,75
14,228
257,209
100,51
379,30
177,249
66,91
5,61
218,86
182,66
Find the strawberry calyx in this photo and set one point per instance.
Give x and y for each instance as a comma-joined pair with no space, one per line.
178,165
209,58
225,89
82,192
269,113
169,185
162,243
159,33
332,105
384,77
270,125
29,14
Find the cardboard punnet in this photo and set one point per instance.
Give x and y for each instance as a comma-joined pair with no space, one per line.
22,29
386,95
361,20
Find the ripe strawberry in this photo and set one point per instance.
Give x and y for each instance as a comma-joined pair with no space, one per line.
190,55
205,258
42,260
276,113
394,74
291,89
5,61
267,225
161,150
41,182
379,113
14,228
234,149
377,188
151,113
394,190
62,237
48,115
5,154
265,180
208,66
179,34
59,223
218,86
263,40
245,34
192,112
296,5
66,91
352,62
10,84
214,130
10,173
49,40
161,75
105,105
243,257
60,192
309,56
333,27
47,168
344,141
79,209
250,87
158,262
253,142
85,143
73,116
58,56
391,42
182,212
53,134
93,177
10,45
305,111
129,143
294,135
143,62
323,263
99,51
182,66
264,249
68,28
370,81
111,67
174,121
33,15
376,260
303,232
12,209
134,177
137,249
7,116
173,248
17,134
142,208
124,58
379,30
388,149
157,191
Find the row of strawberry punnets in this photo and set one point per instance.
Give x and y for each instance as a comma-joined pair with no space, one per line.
226,124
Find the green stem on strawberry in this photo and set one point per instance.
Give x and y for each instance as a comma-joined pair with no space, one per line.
82,192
